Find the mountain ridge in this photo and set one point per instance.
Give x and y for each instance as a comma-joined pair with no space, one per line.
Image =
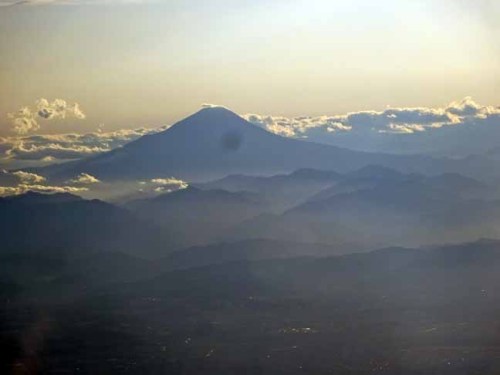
215,142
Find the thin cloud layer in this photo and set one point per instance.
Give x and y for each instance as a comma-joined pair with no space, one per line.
24,188
458,129
20,182
210,105
67,146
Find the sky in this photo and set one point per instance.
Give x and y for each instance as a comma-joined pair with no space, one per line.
130,64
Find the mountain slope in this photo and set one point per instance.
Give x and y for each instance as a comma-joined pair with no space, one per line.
281,191
194,216
34,222
250,250
216,142
378,207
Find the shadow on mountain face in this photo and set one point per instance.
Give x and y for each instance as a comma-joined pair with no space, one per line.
216,142
232,141
46,222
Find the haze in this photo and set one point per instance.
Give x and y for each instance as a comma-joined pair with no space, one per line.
261,187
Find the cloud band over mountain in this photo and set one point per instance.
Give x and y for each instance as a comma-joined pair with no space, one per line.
459,128
391,120
66,146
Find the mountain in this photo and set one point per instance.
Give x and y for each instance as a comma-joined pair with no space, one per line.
391,311
281,191
409,210
216,142
194,216
248,250
373,175
35,223
376,207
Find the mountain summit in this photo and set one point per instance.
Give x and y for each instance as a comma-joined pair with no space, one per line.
215,142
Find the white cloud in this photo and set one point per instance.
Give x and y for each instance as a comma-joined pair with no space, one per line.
67,146
58,108
28,178
209,105
297,126
168,184
84,179
20,182
416,129
391,120
24,188
25,120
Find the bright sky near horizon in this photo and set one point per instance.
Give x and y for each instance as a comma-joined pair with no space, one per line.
136,63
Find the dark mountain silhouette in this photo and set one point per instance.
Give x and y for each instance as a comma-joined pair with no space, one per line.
216,142
34,222
249,250
289,315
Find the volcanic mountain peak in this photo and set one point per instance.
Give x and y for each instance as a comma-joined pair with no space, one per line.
214,118
215,142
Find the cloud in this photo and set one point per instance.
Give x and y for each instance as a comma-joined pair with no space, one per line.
457,129
167,185
84,179
67,146
28,178
15,178
209,105
20,182
25,120
297,126
8,179
391,120
24,188
58,109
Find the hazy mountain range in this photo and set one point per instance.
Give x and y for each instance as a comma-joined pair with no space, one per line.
251,253
216,142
